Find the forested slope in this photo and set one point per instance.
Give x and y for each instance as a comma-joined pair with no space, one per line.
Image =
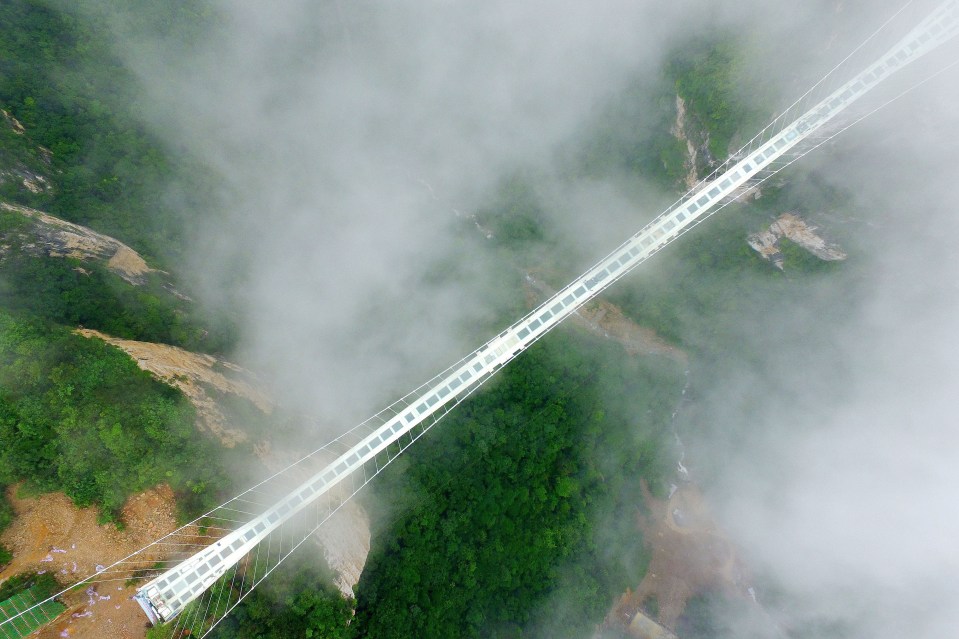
75,414
501,520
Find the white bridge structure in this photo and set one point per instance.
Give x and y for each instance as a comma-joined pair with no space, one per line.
231,553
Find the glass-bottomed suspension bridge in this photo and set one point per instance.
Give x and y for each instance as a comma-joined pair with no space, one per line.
200,572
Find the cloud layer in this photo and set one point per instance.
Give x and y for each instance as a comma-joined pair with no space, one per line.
843,490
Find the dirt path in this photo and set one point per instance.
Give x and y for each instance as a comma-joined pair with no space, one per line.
50,534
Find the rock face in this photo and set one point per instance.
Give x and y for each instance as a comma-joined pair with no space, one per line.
59,238
797,230
345,541
679,131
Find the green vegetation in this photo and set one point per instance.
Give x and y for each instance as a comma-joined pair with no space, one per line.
42,585
77,415
796,259
67,291
703,294
515,215
651,606
6,509
496,513
296,601
631,136
60,78
516,517
703,291
21,592
708,76
84,134
6,518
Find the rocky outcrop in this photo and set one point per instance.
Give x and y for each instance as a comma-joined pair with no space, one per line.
12,122
798,231
59,238
30,180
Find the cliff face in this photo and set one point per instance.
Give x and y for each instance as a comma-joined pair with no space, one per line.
210,383
685,133
27,168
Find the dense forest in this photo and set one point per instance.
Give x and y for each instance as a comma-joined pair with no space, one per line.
515,517
507,507
79,104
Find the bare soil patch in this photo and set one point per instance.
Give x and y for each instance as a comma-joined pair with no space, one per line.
50,534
